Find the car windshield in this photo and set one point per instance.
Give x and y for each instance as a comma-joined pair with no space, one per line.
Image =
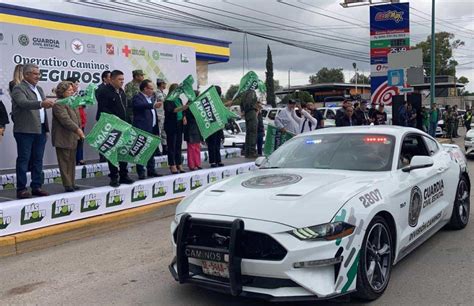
242,126
357,152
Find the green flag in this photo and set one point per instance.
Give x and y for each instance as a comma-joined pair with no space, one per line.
85,98
139,147
118,141
185,87
210,113
250,81
274,138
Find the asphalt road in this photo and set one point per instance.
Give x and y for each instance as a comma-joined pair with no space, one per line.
130,266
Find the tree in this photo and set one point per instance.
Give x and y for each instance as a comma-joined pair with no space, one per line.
303,96
361,79
444,62
325,75
269,82
465,81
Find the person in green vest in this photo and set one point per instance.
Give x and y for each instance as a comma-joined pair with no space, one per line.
434,118
132,88
468,119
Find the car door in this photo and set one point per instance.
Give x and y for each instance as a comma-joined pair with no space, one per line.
419,194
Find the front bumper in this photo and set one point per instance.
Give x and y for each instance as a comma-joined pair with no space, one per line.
469,147
266,279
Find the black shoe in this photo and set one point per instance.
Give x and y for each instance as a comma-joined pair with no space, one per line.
40,193
114,183
214,166
141,176
199,168
220,165
24,194
69,189
126,180
76,187
154,174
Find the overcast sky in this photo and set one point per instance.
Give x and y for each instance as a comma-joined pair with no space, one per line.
322,22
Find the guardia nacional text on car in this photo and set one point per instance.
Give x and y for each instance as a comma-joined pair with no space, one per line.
327,214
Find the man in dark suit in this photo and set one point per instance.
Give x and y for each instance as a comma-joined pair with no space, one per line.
144,118
105,80
114,101
348,119
30,125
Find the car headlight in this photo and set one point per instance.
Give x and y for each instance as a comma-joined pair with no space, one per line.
328,231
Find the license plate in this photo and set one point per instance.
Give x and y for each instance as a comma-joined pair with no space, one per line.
214,268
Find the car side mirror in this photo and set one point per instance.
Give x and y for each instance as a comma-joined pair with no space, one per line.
260,161
419,162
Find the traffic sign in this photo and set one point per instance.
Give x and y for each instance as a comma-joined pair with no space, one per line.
396,77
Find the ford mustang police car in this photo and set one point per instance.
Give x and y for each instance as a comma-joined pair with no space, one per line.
328,213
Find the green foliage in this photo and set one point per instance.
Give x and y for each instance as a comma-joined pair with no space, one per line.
361,79
230,94
463,80
325,75
269,82
444,62
303,96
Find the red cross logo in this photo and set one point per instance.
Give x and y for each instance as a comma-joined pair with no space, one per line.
126,50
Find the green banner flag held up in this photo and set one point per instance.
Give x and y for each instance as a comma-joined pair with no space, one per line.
86,97
139,147
118,141
274,138
210,113
185,87
250,81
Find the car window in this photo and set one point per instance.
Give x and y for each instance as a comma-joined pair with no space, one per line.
330,114
431,145
272,114
242,126
412,145
264,113
356,152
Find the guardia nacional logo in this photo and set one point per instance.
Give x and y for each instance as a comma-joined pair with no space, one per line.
196,181
31,214
159,189
4,220
114,198
61,208
24,40
90,203
212,177
139,193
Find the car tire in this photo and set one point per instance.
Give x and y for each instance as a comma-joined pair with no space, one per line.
375,260
461,207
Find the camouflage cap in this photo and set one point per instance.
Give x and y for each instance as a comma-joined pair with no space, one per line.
137,72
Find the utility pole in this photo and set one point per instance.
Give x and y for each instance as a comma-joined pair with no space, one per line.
289,79
433,54
355,68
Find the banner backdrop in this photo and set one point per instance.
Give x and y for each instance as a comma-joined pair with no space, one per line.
389,33
29,214
61,54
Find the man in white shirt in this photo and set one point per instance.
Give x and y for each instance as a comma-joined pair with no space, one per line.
309,123
30,125
288,121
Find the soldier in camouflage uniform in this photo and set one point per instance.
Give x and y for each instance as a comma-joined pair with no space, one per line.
131,89
249,107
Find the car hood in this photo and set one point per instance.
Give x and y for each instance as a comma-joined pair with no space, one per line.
312,200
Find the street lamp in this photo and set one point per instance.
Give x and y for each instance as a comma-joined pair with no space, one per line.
356,78
354,3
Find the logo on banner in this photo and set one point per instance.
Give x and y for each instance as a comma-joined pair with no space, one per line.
4,220
77,46
31,214
1,36
109,49
156,55
196,181
396,16
61,208
90,203
134,51
159,189
91,48
114,198
226,173
46,43
179,185
212,177
24,40
384,94
139,193
184,58
7,181
240,170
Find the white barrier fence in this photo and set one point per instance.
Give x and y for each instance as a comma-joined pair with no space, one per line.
8,181
29,214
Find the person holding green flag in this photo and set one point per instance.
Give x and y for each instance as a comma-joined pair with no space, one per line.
174,120
214,143
249,108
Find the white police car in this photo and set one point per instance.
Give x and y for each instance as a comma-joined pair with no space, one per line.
327,214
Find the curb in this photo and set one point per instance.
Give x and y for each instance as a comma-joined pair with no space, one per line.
58,234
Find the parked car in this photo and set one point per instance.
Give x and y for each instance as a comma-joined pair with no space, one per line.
469,142
329,115
269,114
233,140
